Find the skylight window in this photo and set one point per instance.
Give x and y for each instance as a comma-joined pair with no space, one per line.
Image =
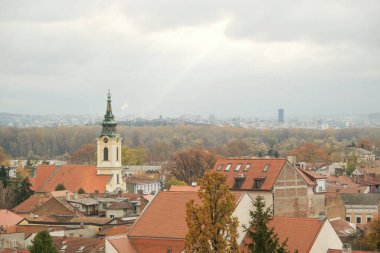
228,167
266,168
247,167
238,167
220,167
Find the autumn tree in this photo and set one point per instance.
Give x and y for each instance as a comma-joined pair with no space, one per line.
212,228
173,181
4,158
372,238
191,164
42,243
310,152
84,155
133,156
261,238
7,197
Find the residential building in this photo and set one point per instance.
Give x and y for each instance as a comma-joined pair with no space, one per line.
283,186
142,186
82,245
162,226
120,210
307,235
361,208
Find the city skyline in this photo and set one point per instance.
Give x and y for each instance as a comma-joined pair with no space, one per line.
174,58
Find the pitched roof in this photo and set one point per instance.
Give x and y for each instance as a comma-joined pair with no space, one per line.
361,198
165,216
313,175
8,218
73,177
119,206
75,244
184,188
354,251
122,244
300,232
92,220
112,230
255,170
342,227
32,203
150,245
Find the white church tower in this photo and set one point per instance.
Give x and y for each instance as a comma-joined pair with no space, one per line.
109,151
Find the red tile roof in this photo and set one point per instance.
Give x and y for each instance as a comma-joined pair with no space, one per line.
301,232
150,245
184,188
165,216
73,177
122,244
342,227
110,230
354,251
32,203
74,244
8,218
313,175
256,170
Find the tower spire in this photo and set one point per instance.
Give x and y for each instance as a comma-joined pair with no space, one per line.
109,123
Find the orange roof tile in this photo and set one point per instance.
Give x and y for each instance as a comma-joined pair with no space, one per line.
73,177
32,203
165,216
74,244
342,227
301,232
8,218
256,170
150,245
110,230
354,251
122,244
184,188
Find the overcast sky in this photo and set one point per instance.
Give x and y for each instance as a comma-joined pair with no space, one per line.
228,58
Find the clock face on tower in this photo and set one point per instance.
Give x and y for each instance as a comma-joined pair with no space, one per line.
105,140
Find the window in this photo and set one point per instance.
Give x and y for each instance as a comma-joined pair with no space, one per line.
247,167
238,182
358,219
117,178
238,167
104,205
117,154
369,218
348,218
258,182
112,216
228,167
105,154
266,168
220,167
14,244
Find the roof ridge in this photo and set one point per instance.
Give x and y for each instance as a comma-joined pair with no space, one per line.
51,176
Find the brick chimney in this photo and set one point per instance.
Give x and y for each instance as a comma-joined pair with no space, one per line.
346,248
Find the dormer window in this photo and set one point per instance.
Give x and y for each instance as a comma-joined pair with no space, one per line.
247,167
220,167
258,182
266,167
239,180
228,167
238,167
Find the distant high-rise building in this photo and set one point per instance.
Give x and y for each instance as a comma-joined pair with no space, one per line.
280,115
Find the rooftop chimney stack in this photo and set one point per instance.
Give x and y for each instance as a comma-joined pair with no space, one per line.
67,195
346,248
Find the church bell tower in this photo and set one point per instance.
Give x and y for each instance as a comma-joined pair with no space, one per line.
109,149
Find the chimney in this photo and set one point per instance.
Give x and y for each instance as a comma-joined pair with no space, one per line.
75,195
321,216
291,159
67,195
346,248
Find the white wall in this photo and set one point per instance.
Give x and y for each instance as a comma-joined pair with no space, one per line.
327,239
242,213
109,248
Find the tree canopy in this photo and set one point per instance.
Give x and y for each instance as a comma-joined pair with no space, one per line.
133,156
42,243
60,187
84,155
212,228
189,165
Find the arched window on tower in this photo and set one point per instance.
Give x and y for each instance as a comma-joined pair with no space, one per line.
105,154
117,154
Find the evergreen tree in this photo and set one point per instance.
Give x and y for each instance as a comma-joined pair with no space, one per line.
24,190
81,191
42,243
262,239
211,225
4,177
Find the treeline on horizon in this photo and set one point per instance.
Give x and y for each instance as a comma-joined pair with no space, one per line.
161,142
